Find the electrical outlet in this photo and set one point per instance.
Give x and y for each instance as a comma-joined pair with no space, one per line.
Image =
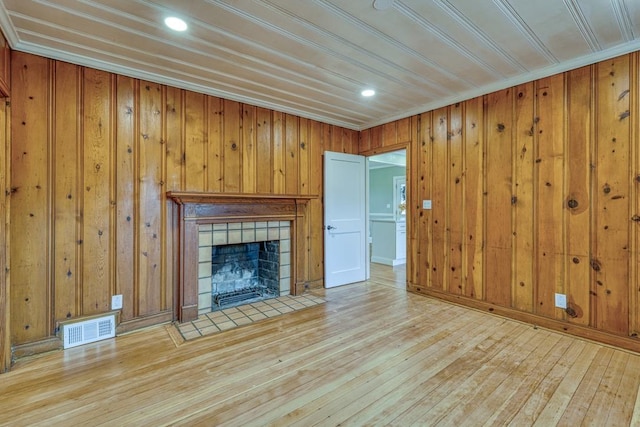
426,204
561,301
116,302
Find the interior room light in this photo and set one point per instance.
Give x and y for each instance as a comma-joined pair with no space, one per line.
368,92
176,24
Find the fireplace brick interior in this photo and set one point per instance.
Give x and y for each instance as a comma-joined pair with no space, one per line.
218,235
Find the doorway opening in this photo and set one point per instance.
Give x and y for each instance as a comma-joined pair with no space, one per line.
387,214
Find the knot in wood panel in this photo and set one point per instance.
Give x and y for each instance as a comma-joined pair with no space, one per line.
571,312
501,127
595,265
572,203
635,218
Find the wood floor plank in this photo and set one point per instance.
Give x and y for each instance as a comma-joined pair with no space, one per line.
372,355
536,379
588,387
561,384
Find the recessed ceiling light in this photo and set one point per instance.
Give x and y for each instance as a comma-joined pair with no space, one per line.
368,92
176,24
382,4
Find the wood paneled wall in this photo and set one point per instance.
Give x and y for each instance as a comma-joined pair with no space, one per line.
93,155
535,191
5,167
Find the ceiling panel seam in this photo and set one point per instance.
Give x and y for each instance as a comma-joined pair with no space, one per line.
585,29
475,31
520,24
430,27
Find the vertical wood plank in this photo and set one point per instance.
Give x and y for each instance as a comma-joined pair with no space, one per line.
577,201
279,153
549,193
30,292
67,185
292,141
232,147
389,136
249,150
5,236
611,257
474,153
439,190
127,147
456,204
364,142
351,141
403,130
524,152
151,200
316,214
634,264
174,143
304,158
264,166
376,137
498,253
195,147
424,229
215,144
96,278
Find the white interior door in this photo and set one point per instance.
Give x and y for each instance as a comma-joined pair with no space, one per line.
344,219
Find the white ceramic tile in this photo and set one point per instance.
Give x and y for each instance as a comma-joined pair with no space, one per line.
204,253
261,225
285,245
248,225
261,234
204,301
220,226
285,258
204,227
220,237
274,224
285,286
204,269
235,236
274,234
248,236
285,232
285,271
235,225
204,285
205,238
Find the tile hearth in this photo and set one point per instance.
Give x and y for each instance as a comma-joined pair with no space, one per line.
218,321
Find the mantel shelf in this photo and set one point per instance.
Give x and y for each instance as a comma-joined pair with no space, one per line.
184,197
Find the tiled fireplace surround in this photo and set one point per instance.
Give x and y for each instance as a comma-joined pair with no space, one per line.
192,212
211,235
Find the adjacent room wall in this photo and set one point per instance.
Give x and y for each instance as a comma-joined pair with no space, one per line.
93,155
381,189
535,191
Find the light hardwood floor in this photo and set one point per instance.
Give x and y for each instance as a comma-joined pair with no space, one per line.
371,355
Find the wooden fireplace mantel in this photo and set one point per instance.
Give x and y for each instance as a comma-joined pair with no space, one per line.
190,209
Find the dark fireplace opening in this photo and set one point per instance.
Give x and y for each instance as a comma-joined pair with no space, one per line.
243,273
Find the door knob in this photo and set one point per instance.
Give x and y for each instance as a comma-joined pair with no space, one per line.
330,227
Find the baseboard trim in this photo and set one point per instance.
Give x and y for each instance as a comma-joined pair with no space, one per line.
32,348
144,322
579,331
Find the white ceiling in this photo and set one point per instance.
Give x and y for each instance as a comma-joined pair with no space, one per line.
313,57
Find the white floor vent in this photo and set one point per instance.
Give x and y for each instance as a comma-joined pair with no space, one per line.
86,331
